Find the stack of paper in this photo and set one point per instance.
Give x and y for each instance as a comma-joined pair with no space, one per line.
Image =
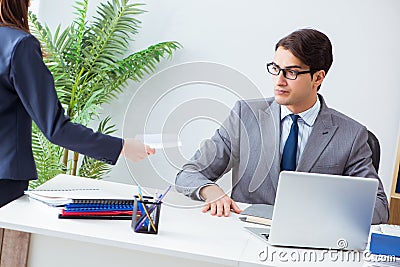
62,197
49,197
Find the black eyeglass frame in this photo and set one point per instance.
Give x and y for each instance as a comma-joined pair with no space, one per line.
284,71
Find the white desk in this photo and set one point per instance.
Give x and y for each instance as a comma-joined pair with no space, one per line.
186,237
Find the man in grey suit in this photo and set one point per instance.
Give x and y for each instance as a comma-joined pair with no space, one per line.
253,140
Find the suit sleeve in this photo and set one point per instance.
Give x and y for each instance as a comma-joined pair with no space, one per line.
212,160
360,164
34,85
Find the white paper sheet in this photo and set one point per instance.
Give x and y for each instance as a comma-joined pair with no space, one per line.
158,141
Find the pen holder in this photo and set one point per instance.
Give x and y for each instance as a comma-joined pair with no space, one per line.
145,215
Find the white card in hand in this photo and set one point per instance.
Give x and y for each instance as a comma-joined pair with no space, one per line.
159,140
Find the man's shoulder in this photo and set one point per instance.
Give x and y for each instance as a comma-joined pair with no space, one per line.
339,118
257,103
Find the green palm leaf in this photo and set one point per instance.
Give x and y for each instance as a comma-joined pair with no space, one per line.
47,157
133,67
110,33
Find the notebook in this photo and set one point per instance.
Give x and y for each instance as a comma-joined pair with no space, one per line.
98,209
321,211
259,210
258,213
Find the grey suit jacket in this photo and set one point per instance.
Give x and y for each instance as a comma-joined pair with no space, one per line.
248,144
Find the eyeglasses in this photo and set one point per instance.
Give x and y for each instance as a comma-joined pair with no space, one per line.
287,73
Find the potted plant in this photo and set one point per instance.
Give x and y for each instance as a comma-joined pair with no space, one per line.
86,60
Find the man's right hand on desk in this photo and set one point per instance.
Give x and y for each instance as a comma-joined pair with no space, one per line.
217,201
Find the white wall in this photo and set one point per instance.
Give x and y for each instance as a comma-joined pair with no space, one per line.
362,83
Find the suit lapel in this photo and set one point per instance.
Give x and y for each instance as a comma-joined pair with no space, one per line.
269,161
269,121
321,135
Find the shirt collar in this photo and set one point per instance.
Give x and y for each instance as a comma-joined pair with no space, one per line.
309,116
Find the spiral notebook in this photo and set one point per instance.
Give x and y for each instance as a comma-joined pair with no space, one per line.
98,209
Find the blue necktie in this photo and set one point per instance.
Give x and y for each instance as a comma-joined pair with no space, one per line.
288,162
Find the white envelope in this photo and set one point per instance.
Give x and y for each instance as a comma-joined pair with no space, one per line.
159,140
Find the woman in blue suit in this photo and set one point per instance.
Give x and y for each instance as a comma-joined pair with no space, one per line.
27,93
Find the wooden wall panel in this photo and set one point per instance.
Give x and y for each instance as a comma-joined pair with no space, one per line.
394,205
14,248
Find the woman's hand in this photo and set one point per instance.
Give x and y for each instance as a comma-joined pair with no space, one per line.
135,150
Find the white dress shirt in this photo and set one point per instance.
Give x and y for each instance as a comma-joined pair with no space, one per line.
305,122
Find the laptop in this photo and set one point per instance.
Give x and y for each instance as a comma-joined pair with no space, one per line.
321,211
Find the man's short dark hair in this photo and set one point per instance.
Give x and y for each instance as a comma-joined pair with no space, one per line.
312,47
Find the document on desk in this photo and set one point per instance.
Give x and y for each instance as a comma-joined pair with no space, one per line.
258,213
61,197
259,210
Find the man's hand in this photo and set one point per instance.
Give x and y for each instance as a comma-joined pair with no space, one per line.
217,201
135,151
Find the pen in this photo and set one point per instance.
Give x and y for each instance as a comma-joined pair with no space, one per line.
147,213
152,214
163,195
140,206
258,220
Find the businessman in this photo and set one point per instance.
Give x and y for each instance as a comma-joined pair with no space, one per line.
294,130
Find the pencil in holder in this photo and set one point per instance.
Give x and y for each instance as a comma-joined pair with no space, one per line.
145,215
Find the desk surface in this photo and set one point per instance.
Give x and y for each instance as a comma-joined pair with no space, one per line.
183,232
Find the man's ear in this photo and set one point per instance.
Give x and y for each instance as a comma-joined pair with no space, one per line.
318,77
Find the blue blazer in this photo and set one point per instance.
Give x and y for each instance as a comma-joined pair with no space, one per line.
27,93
